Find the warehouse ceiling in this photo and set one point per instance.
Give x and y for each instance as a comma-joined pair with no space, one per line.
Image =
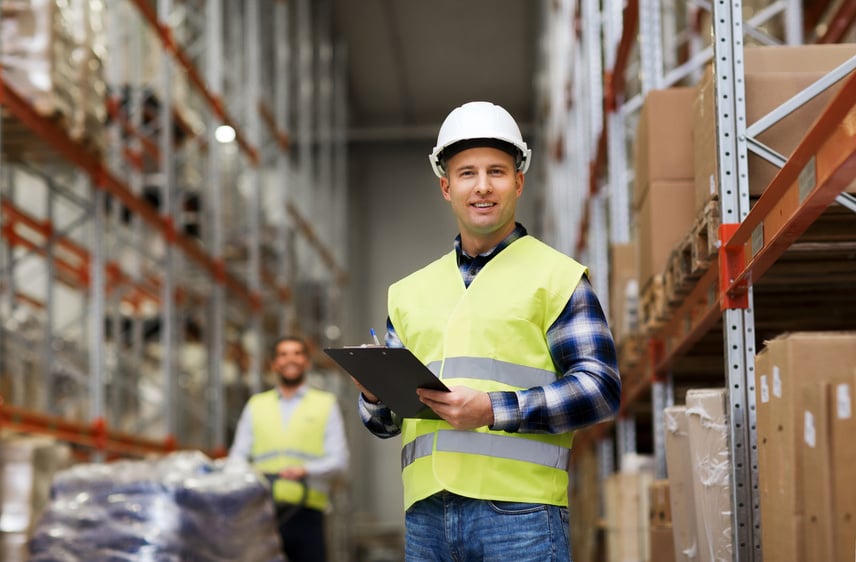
411,61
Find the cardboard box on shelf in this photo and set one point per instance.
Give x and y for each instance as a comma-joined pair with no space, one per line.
816,457
842,429
680,470
764,432
772,76
663,144
659,503
792,361
828,455
664,218
623,290
707,425
662,549
627,529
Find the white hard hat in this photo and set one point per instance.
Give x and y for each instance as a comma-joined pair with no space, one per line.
479,121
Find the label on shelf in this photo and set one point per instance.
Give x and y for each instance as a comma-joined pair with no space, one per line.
842,395
810,434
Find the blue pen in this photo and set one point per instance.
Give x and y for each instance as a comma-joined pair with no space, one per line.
374,336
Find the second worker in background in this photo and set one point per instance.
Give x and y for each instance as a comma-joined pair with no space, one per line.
294,434
515,330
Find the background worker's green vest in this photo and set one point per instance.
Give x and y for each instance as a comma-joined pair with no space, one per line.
490,336
276,447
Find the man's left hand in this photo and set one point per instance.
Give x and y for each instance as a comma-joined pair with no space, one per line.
462,407
293,472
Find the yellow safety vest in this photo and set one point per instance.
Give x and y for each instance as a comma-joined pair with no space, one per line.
277,446
491,337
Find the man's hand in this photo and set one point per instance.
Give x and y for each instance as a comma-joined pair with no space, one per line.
366,394
462,407
293,472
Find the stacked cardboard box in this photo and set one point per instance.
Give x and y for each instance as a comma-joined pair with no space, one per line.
698,465
681,495
707,429
52,55
584,502
773,75
27,466
806,451
663,174
626,499
623,290
660,521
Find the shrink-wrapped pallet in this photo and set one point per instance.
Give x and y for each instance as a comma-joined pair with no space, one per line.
180,507
52,57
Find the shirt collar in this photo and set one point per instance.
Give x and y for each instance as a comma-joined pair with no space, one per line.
301,390
518,232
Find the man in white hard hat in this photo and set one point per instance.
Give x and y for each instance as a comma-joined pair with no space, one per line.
514,329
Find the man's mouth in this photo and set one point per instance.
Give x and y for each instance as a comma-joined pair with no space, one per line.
483,205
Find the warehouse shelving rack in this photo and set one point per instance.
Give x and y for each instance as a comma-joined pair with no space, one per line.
131,266
752,240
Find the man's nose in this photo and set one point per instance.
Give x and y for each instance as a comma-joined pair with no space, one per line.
483,183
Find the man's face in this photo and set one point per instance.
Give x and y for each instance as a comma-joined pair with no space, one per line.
483,185
290,363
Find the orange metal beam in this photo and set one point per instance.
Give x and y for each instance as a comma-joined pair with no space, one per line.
50,132
94,435
282,138
840,23
310,235
820,168
613,80
215,102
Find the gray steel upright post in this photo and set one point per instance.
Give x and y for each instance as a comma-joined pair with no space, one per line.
738,323
96,306
49,404
135,179
651,44
282,101
252,62
214,201
619,204
167,176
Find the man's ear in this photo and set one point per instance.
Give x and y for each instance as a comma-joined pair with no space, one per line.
444,187
520,180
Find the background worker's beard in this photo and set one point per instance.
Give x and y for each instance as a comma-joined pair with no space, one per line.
291,383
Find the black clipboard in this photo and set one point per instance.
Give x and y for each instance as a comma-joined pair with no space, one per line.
392,374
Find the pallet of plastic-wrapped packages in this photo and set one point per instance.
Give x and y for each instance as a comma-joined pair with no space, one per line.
181,507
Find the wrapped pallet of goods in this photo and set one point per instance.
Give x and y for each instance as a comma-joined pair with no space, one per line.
51,57
27,466
183,506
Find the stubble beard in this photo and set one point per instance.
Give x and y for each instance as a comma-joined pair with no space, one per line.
292,383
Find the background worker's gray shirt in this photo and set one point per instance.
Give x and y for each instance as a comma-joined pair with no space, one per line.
320,471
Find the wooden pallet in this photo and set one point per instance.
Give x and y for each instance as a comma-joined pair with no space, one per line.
677,276
705,238
631,351
653,307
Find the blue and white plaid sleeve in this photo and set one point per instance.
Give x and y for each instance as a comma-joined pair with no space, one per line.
377,418
589,390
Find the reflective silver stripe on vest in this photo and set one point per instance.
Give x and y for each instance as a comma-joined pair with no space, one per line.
494,370
284,453
419,447
488,444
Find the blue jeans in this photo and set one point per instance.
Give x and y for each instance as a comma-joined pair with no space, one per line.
450,528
